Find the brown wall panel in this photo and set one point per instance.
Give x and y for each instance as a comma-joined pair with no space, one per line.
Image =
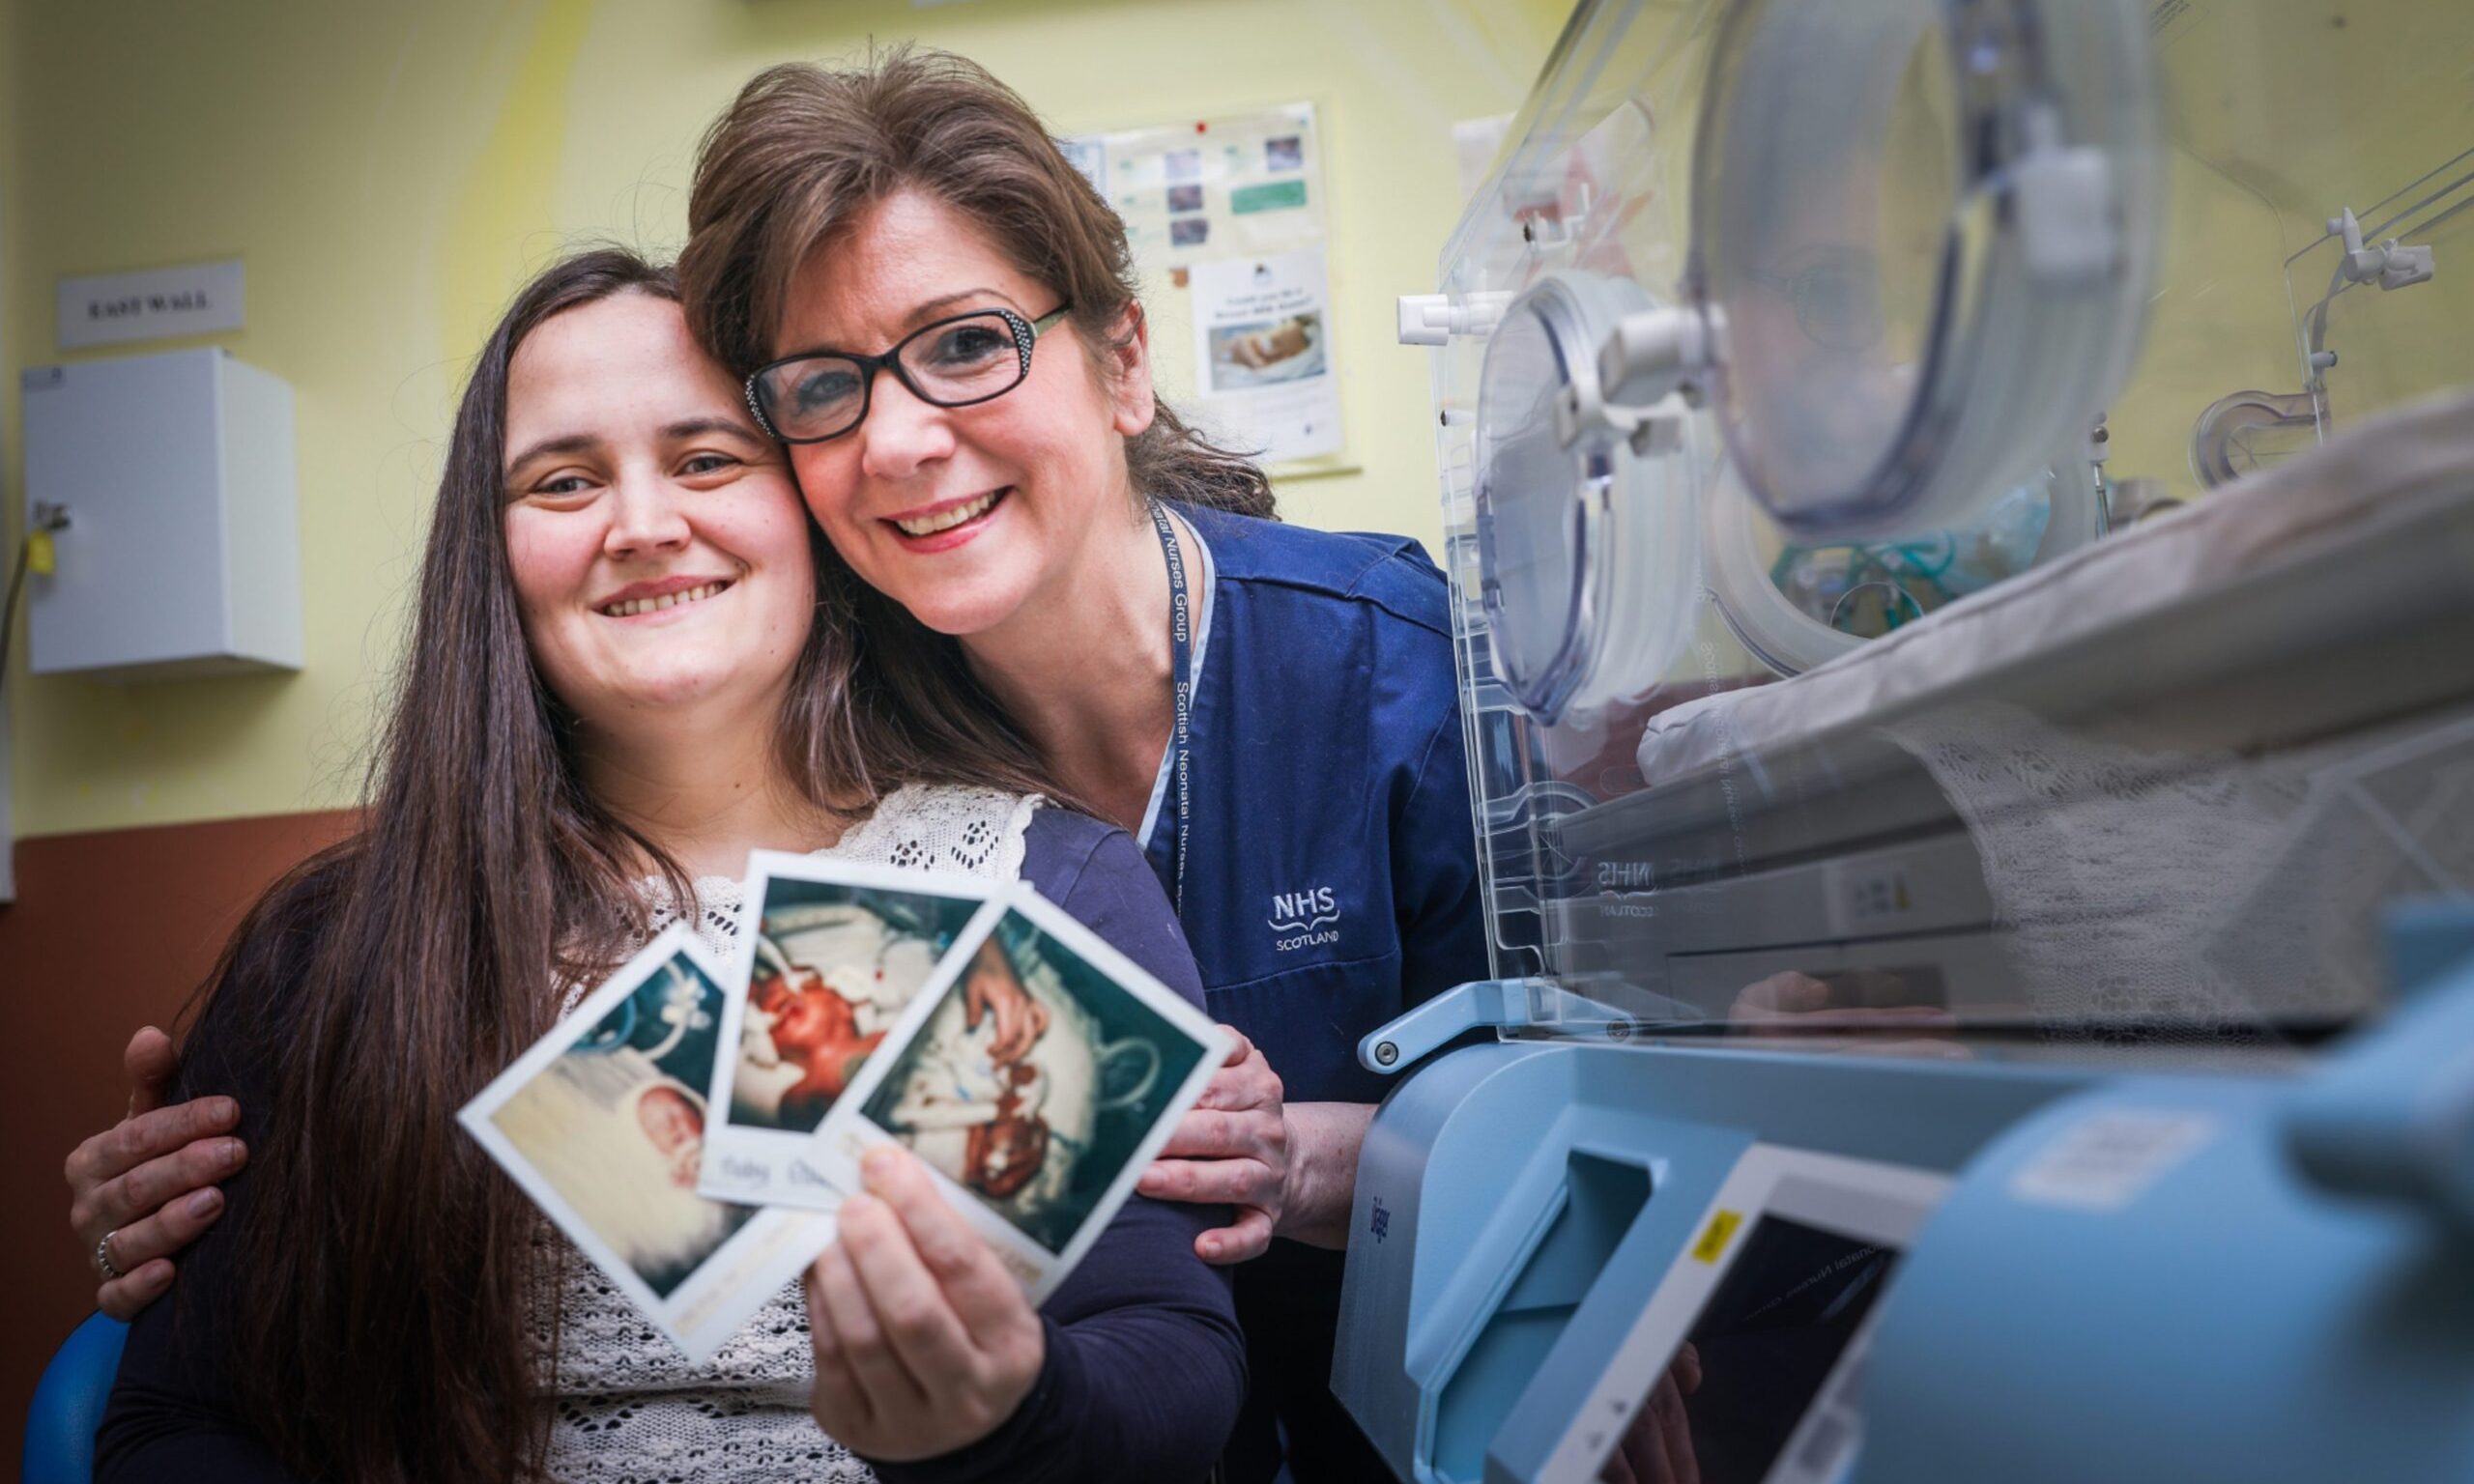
110,931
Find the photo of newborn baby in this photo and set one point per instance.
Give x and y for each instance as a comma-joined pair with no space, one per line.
832,953
616,1127
604,1122
973,1097
672,1119
1034,1081
828,978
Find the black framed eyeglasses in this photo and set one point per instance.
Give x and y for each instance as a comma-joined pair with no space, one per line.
956,361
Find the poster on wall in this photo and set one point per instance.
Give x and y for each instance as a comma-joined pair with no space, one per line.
1263,357
1228,219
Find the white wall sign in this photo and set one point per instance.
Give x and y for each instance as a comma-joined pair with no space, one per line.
114,308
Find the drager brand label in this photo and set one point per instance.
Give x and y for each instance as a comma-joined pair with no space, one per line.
1303,919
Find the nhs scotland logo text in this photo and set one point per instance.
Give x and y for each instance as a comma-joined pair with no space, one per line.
1307,917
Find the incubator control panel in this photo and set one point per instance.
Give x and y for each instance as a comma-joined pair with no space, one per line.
1746,1366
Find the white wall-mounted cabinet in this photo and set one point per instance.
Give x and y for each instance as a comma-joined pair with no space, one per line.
182,555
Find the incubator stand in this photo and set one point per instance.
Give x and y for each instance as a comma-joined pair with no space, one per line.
1962,521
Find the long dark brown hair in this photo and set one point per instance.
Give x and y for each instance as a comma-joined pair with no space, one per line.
800,156
387,1281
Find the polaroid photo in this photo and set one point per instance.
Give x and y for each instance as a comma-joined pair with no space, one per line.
1189,231
603,1123
830,954
1036,1085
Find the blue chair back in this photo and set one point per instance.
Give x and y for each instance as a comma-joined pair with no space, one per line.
69,1403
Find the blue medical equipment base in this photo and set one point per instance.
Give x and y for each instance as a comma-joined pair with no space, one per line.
2264,1276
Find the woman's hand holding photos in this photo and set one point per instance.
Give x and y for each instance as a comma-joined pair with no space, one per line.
924,1342
149,1182
1231,1150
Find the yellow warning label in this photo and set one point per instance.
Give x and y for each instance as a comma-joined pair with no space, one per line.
1714,1237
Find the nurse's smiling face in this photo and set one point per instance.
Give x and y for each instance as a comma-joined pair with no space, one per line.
970,516
659,553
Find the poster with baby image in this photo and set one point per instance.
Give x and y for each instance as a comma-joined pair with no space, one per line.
1036,1085
604,1123
830,954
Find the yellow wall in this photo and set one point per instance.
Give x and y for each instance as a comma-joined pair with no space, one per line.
2282,112
390,172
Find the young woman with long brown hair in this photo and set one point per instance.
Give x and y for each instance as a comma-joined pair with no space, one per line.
625,671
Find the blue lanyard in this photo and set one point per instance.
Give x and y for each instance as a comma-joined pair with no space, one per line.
1182,666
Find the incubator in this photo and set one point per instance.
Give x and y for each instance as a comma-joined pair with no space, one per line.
1961,519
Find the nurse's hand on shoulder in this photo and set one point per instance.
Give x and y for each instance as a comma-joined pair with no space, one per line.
148,1183
1231,1150
924,1342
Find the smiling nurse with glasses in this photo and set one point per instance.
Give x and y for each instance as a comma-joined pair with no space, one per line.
1272,710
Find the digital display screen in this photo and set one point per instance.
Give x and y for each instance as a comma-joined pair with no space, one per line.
1769,1336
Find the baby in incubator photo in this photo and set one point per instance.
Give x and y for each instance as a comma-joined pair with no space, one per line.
972,1099
1035,1082
832,955
827,981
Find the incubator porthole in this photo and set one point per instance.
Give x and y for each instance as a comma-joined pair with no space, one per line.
1930,255
1586,544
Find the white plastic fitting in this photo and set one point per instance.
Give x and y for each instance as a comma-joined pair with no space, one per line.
1649,354
2391,265
1433,319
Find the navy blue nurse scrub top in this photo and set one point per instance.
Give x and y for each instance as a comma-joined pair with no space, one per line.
1332,880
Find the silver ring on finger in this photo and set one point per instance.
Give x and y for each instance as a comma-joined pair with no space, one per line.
104,1263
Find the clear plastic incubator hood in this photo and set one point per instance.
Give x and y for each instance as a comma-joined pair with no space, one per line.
1959,508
